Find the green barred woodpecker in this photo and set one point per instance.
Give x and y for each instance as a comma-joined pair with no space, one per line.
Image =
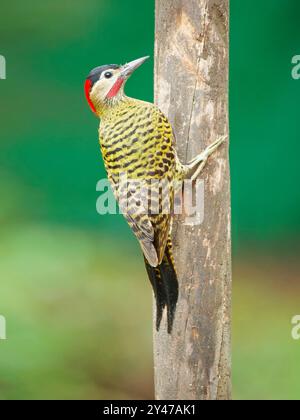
137,140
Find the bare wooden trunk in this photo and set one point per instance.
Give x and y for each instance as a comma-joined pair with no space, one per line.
191,88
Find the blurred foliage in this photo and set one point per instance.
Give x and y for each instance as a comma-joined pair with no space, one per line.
264,121
76,327
74,290
265,357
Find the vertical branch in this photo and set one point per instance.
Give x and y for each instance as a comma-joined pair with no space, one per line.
191,88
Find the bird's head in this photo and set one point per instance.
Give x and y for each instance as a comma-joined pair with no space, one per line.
104,85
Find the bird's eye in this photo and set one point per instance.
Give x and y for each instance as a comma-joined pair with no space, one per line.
108,75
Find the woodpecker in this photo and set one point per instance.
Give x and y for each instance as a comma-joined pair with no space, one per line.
136,139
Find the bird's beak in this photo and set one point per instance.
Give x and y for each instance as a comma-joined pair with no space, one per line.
129,68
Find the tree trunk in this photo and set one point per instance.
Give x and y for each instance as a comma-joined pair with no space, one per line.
191,88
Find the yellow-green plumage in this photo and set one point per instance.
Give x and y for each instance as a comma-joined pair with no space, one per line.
137,139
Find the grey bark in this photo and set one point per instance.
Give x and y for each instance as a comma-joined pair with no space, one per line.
191,88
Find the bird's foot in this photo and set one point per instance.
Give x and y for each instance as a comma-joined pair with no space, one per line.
201,159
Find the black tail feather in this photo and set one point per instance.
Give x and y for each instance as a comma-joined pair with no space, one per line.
170,282
159,291
165,286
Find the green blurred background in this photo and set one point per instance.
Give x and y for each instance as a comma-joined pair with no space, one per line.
73,286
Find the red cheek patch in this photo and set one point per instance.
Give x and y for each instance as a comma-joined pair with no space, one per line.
115,89
87,89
